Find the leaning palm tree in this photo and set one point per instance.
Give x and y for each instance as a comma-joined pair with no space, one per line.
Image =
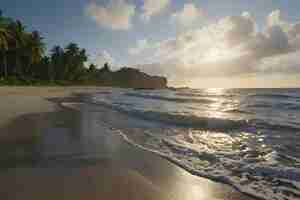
5,35
34,49
17,30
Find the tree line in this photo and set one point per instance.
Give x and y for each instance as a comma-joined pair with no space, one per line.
23,59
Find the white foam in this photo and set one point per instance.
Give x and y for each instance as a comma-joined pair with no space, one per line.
259,179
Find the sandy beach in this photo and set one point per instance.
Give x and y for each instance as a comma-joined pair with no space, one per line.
77,157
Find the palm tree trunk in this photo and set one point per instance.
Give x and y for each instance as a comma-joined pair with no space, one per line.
50,73
18,67
4,63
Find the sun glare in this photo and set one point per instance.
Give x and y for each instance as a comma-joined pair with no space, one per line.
220,54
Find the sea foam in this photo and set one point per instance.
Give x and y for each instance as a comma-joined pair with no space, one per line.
258,175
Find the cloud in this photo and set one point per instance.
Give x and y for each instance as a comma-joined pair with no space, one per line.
294,30
103,57
232,46
188,15
116,15
141,45
153,7
285,63
275,19
240,28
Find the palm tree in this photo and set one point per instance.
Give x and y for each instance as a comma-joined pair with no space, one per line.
72,49
72,53
57,60
92,68
5,35
46,62
105,68
34,49
43,69
17,30
37,46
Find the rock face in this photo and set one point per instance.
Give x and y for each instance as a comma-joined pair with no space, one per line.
132,78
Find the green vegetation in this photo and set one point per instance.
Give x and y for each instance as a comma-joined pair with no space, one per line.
23,59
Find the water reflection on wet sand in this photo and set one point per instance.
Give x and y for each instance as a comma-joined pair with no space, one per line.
79,158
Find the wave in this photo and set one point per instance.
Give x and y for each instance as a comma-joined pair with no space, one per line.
204,95
260,180
180,120
259,105
289,106
258,123
280,105
194,121
281,96
103,92
294,107
238,111
262,176
174,99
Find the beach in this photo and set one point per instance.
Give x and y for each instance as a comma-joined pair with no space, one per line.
78,157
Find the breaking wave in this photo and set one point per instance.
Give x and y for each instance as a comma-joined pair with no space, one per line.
193,121
254,172
246,138
179,100
280,96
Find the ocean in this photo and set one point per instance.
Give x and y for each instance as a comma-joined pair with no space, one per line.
248,138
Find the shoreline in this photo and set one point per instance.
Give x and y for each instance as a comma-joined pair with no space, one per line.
174,161
138,167
186,168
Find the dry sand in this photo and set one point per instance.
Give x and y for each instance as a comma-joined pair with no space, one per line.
121,171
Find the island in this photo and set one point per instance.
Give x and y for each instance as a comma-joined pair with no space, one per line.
130,78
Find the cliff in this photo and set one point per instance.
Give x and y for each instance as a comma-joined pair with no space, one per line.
131,78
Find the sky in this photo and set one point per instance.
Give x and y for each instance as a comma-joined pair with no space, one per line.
196,43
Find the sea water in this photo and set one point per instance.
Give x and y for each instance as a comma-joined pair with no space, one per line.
248,138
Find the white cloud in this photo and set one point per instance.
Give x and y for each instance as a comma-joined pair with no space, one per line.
294,31
188,15
285,63
153,7
230,47
115,15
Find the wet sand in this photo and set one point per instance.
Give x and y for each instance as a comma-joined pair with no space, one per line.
78,157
